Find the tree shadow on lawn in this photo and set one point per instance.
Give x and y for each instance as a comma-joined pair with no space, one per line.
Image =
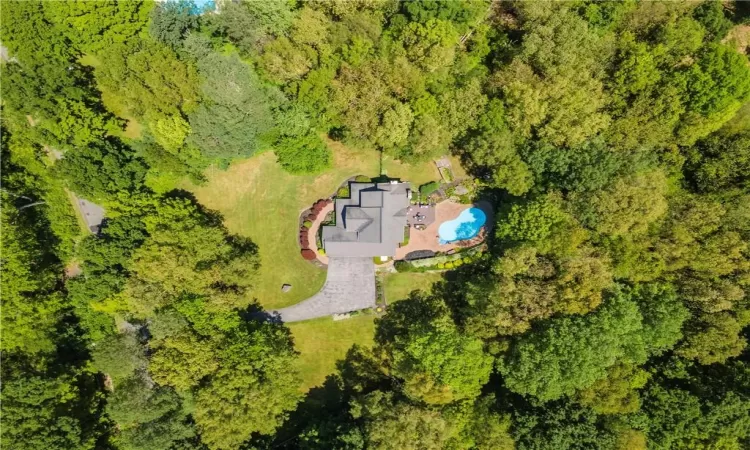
324,413
256,313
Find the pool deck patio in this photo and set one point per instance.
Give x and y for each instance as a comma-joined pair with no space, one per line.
427,239
423,215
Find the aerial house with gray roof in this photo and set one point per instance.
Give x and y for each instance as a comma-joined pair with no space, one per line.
370,222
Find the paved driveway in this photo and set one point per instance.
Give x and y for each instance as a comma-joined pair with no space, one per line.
349,286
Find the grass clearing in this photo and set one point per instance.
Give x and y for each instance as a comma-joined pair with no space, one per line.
739,38
397,286
322,342
90,60
261,201
133,128
739,123
419,174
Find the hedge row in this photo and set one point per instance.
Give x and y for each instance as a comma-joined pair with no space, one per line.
429,188
442,262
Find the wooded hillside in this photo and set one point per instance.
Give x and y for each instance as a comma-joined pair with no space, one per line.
611,310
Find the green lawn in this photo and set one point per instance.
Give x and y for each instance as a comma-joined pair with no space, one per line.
133,127
261,201
421,173
322,342
397,286
740,122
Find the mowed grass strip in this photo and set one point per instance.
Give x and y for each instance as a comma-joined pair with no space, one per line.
398,286
419,174
322,342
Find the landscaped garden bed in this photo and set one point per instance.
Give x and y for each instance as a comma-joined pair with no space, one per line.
441,261
306,219
344,191
446,173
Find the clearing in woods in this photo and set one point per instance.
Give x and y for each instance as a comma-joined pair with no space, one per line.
261,201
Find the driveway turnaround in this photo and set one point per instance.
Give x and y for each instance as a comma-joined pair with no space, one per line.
349,286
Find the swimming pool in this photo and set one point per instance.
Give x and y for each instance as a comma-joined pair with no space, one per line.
465,226
202,6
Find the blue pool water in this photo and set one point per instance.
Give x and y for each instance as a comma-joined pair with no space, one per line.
465,226
201,6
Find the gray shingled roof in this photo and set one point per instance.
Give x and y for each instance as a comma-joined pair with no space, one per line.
369,223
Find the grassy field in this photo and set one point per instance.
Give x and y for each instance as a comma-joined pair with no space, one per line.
740,122
418,174
397,286
261,201
322,342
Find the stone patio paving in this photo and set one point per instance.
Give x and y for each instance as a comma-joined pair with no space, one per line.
420,215
428,238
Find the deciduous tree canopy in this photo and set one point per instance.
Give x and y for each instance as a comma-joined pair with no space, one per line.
607,308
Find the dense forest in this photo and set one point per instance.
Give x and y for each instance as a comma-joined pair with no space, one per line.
612,310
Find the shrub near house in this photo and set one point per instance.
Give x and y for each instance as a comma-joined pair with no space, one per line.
441,262
304,231
429,188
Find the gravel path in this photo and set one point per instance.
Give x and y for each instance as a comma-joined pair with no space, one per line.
349,286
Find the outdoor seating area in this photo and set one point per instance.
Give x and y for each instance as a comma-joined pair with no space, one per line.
441,227
420,216
425,234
